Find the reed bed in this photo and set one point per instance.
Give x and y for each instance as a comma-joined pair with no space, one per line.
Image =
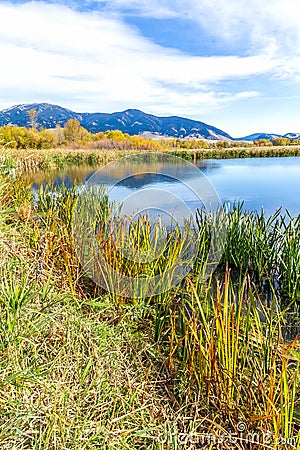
25,161
267,248
238,152
84,369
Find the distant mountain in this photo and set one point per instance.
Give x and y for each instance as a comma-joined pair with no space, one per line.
292,135
270,137
131,121
256,136
48,115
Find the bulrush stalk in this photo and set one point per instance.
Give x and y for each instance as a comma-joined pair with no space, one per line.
82,367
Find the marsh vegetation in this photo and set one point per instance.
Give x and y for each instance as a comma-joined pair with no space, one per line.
84,369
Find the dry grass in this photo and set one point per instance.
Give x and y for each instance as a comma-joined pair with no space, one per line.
80,369
28,160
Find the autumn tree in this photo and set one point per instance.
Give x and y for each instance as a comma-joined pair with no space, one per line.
72,131
295,142
47,139
262,142
281,141
33,118
59,134
115,134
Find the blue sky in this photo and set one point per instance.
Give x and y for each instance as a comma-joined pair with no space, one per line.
234,64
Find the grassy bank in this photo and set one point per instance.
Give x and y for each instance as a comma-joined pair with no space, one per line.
239,152
82,369
36,160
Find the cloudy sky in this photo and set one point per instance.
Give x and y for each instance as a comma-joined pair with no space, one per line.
234,64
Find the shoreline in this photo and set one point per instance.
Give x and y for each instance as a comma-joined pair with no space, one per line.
29,160
111,363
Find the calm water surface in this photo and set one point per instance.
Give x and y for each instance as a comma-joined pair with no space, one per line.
268,183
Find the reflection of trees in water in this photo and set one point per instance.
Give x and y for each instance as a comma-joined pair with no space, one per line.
145,179
123,169
148,173
70,176
136,174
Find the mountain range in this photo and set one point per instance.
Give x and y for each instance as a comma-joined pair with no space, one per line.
131,121
269,136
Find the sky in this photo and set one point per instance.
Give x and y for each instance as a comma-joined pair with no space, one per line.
234,64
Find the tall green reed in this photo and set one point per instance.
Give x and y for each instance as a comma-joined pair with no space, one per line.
231,349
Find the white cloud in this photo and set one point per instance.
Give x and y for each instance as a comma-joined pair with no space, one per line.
248,94
269,27
92,61
162,9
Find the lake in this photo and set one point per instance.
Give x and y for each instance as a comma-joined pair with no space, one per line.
268,183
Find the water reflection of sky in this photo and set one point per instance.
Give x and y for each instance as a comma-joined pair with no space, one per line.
270,183
158,194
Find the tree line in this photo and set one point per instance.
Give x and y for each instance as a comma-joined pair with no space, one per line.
73,135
